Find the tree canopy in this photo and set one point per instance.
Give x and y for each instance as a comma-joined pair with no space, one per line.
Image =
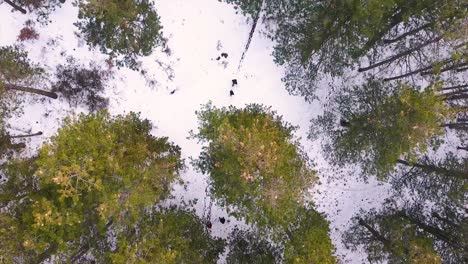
254,163
122,29
258,170
97,174
380,123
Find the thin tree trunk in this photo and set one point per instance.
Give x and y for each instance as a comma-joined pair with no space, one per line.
462,69
15,6
447,68
450,94
433,168
455,87
47,253
404,35
460,125
395,20
445,220
457,97
25,136
463,148
409,73
30,90
387,243
84,249
16,146
251,33
436,232
405,53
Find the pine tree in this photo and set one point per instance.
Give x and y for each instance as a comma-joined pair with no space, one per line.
95,176
122,29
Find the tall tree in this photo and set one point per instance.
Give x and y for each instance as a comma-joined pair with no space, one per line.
17,72
122,29
258,170
322,38
389,236
94,177
256,166
380,123
409,235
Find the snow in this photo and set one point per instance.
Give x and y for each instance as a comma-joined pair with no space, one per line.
197,32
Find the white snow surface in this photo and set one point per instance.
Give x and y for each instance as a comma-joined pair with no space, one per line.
195,30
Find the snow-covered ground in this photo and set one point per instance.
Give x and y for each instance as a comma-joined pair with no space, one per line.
197,32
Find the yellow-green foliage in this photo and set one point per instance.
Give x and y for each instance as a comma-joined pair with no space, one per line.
254,163
172,236
97,170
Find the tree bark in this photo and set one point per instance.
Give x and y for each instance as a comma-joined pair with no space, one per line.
405,53
436,169
85,248
409,73
445,220
404,35
344,123
47,253
395,20
387,243
436,232
447,68
30,90
457,97
25,136
455,87
455,92
460,126
15,6
463,148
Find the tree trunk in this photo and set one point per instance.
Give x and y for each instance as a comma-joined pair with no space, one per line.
455,93
447,68
445,220
251,33
404,35
411,73
436,232
85,248
17,146
30,90
463,148
457,97
395,20
460,126
436,169
25,136
455,87
344,123
403,54
15,6
47,253
387,243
